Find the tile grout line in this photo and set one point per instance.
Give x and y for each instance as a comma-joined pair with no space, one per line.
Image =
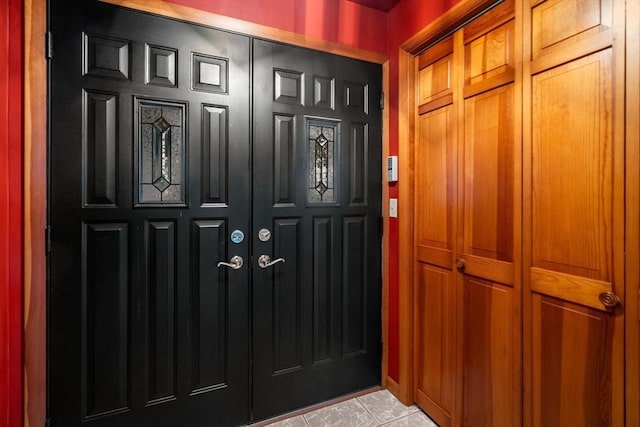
397,419
368,411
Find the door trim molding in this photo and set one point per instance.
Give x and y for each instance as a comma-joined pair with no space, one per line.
35,172
34,202
632,216
461,13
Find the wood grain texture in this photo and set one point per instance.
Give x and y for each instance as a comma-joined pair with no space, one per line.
406,246
435,288
619,231
435,344
523,9
571,287
571,353
435,80
227,23
491,378
435,53
434,255
467,205
408,79
488,230
490,54
35,196
435,179
572,205
573,212
496,271
558,24
632,215
488,175
489,20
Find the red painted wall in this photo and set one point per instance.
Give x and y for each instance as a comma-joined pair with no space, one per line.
338,21
11,79
403,21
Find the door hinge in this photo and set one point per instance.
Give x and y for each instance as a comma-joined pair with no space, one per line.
382,100
47,239
48,45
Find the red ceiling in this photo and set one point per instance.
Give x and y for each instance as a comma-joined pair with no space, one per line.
383,5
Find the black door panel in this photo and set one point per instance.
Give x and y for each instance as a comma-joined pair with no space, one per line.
152,169
141,206
316,187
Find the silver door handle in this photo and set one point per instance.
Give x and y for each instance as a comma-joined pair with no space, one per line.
235,262
265,261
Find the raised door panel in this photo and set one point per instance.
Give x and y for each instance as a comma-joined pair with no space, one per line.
489,187
105,322
489,50
316,327
489,235
435,344
144,328
572,201
491,368
632,217
160,261
573,225
435,187
288,299
572,364
572,244
491,377
435,74
565,29
435,321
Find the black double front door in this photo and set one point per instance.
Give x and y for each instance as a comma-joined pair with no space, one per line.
214,215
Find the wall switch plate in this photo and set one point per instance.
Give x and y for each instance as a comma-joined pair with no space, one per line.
393,208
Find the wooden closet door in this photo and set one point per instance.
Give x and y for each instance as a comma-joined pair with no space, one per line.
574,212
435,200
489,237
632,231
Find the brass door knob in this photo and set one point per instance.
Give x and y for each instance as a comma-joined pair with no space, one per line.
460,264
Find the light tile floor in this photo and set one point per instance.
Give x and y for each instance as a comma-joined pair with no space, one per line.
379,408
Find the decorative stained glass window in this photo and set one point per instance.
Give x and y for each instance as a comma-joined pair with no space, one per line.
161,154
323,139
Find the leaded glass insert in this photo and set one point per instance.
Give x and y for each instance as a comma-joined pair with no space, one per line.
322,140
161,154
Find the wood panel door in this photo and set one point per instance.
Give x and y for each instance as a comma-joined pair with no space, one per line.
632,210
149,176
467,285
435,290
488,248
574,212
316,191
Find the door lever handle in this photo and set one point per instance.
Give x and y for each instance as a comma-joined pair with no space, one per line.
235,263
265,261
